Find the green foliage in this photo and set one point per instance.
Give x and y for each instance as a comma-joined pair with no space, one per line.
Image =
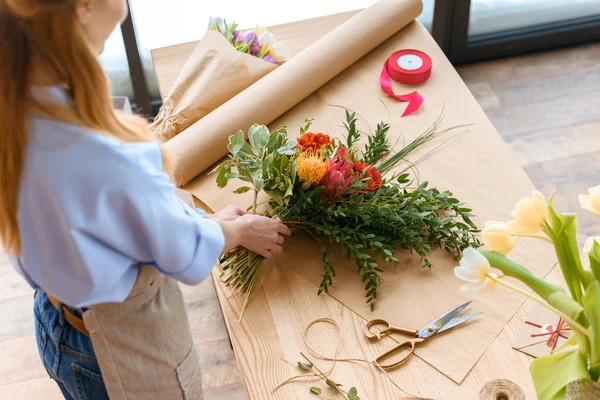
377,145
372,226
353,135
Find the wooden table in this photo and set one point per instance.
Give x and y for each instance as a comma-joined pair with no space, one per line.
277,331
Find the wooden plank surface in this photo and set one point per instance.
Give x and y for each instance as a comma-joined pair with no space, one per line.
295,296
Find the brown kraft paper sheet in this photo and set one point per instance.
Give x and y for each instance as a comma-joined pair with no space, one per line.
477,167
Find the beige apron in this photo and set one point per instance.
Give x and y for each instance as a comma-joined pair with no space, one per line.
144,345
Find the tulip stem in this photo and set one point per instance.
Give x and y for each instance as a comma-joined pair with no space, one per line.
547,239
572,323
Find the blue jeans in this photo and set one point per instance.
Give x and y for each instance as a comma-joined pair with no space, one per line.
67,354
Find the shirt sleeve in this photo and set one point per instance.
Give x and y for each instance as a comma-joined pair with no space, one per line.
137,212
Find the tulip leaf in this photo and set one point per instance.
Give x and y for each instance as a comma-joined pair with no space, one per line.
567,251
510,268
591,301
554,220
595,260
571,341
259,136
236,142
552,373
566,304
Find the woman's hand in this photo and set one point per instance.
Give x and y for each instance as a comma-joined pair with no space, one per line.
259,234
229,213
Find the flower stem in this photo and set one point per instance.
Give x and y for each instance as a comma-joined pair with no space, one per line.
568,320
545,238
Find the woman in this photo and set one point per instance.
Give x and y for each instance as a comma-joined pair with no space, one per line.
90,217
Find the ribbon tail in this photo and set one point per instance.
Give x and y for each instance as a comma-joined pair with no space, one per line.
414,99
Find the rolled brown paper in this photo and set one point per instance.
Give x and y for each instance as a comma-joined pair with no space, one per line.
198,147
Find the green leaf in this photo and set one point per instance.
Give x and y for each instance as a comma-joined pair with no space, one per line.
259,136
221,177
315,390
552,373
332,384
591,301
567,251
566,304
595,260
242,189
305,366
236,142
353,394
509,268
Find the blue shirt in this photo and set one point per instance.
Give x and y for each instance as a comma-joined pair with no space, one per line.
92,209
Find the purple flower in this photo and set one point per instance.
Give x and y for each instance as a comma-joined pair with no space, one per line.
270,59
255,47
236,35
247,38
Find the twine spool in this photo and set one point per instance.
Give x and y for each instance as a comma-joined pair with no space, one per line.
501,389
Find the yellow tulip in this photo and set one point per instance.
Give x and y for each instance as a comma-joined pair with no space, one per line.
498,238
260,30
591,202
530,214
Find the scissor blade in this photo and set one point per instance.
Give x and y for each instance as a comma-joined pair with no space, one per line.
433,327
457,321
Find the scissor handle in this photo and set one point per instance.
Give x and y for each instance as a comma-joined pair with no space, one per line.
409,345
388,328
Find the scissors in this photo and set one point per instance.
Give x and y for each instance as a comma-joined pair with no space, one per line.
441,324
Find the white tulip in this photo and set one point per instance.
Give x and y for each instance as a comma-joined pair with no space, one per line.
260,30
497,237
475,269
216,24
591,202
266,40
589,244
280,52
530,214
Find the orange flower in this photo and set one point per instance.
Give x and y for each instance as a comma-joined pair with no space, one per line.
312,166
313,141
375,177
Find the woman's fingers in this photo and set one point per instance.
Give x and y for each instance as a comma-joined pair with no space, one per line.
276,248
284,230
280,240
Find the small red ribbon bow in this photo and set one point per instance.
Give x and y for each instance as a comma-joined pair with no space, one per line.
553,333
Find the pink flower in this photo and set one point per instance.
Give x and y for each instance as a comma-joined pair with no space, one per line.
339,175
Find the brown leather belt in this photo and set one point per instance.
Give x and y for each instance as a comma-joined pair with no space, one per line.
71,318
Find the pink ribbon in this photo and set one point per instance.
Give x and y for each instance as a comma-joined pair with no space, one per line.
414,99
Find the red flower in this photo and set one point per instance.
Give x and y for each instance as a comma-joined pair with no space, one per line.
339,175
313,141
372,176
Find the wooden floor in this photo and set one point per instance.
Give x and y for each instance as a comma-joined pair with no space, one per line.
546,106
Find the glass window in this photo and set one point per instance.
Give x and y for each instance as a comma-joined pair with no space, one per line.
492,16
114,62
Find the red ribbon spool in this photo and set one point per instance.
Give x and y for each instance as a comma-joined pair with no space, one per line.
410,67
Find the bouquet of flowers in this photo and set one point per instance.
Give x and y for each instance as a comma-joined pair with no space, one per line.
574,370
258,42
337,193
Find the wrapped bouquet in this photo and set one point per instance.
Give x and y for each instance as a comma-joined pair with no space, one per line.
337,192
224,63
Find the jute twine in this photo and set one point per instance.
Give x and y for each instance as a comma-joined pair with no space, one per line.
167,123
583,389
335,359
501,389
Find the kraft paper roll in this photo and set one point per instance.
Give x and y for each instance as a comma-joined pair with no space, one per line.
204,143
